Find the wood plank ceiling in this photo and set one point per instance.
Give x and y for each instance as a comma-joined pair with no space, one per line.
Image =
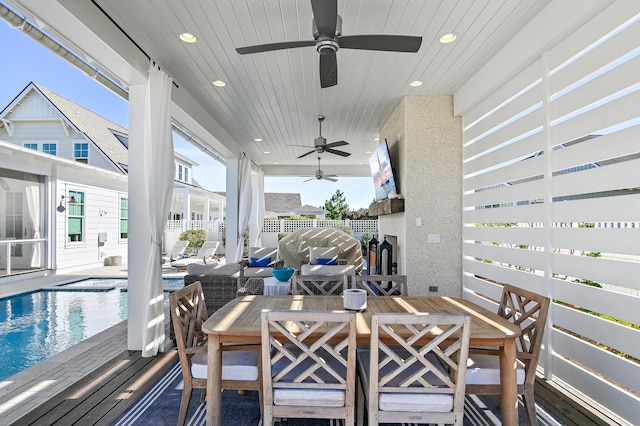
276,96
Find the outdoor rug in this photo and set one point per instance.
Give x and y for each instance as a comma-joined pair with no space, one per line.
161,404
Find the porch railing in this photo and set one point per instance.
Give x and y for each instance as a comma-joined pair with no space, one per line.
21,255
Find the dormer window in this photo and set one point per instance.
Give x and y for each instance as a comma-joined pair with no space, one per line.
182,172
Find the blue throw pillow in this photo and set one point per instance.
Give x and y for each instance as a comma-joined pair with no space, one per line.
259,262
327,261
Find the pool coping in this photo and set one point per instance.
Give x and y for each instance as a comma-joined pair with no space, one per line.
28,389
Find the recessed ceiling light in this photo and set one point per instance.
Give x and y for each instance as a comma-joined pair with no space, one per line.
266,152
416,83
448,38
367,152
188,38
257,140
376,139
219,83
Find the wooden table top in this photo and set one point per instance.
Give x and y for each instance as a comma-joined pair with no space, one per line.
239,320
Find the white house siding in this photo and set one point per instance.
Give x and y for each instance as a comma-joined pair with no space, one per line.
77,255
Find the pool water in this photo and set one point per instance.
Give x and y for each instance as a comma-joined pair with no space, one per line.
35,326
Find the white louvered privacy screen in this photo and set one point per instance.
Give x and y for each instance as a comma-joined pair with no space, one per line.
551,199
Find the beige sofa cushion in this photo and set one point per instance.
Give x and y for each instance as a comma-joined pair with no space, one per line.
327,270
228,269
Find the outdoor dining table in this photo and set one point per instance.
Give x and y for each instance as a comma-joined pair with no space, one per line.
239,322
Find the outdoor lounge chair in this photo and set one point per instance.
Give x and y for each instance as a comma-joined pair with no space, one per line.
176,251
204,256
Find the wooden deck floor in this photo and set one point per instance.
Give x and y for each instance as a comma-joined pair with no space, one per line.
99,398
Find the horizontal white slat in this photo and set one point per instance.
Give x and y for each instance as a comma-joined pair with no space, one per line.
595,120
518,105
484,289
505,234
526,191
605,271
516,214
523,148
589,33
529,77
606,209
620,370
595,387
614,335
613,145
479,300
511,173
511,131
605,240
614,81
621,306
528,281
612,177
511,256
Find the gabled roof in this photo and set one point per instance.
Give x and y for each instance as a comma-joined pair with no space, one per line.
282,202
95,127
309,210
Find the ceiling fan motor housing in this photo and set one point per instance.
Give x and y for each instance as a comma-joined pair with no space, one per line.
319,143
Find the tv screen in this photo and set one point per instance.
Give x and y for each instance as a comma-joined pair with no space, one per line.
382,173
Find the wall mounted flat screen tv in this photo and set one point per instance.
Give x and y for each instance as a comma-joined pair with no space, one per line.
383,182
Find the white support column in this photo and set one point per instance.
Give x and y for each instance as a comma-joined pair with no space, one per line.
233,200
186,206
207,210
139,227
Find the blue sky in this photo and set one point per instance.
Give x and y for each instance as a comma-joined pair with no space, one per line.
25,61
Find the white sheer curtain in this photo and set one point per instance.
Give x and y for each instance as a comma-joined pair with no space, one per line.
257,215
33,204
244,201
158,172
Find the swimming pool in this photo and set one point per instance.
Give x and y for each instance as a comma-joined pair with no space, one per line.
37,325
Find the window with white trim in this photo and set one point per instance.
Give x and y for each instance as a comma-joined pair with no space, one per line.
124,218
75,216
50,148
81,152
33,146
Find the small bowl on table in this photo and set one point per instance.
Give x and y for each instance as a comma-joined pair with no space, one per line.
283,273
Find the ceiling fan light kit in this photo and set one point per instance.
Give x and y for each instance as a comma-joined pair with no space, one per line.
328,39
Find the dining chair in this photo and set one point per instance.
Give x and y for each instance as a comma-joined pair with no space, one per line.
382,285
309,365
414,368
529,311
323,285
241,368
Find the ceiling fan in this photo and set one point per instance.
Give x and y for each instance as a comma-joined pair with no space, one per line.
320,144
321,176
328,38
